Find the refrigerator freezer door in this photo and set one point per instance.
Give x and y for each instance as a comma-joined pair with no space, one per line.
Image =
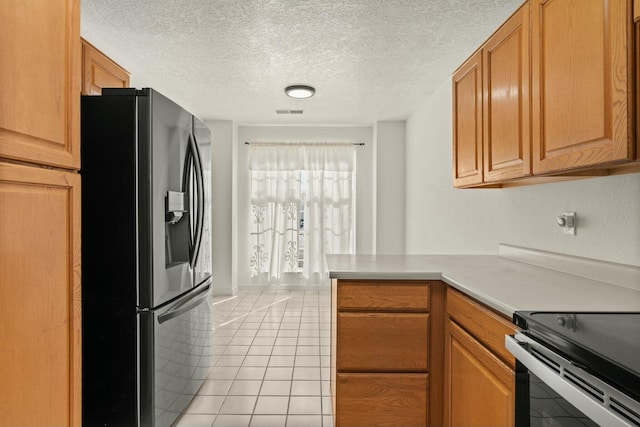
179,359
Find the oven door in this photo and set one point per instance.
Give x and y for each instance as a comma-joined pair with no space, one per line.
551,391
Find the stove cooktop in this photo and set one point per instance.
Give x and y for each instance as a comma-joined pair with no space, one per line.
605,344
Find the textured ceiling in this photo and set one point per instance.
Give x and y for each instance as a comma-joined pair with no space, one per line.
369,60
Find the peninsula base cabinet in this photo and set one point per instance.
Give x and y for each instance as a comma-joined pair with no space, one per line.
479,371
385,371
418,353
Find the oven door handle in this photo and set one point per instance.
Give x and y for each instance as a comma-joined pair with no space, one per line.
521,347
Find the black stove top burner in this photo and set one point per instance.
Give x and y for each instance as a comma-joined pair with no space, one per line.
605,344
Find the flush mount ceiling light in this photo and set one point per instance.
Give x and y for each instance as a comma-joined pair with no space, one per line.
300,91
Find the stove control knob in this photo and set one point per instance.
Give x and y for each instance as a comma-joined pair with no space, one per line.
562,321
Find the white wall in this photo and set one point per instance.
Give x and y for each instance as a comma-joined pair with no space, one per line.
222,175
365,179
390,176
443,220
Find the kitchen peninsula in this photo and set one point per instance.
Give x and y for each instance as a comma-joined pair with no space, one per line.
413,334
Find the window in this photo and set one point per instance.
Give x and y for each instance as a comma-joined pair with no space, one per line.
302,207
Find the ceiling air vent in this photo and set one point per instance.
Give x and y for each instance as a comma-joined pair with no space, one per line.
289,111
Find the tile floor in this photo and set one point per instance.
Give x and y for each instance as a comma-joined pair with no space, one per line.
271,362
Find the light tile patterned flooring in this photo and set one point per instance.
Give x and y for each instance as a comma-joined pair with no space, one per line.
271,362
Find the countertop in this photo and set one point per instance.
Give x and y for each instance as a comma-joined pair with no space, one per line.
504,284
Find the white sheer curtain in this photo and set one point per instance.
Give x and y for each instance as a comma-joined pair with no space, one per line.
302,207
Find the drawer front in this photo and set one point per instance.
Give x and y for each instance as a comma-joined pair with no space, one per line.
488,327
382,400
388,342
381,296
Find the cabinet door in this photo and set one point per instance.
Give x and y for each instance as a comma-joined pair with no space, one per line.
581,64
467,123
636,10
40,82
479,387
99,71
39,297
506,70
392,400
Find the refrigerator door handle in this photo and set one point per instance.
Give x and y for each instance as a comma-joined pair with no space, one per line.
199,173
184,306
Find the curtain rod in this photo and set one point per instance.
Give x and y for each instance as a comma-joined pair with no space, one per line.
308,143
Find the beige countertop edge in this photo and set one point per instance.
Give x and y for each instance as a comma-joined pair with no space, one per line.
496,304
505,285
484,298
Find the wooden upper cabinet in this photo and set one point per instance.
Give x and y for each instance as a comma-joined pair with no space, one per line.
636,10
40,362
506,86
467,123
40,82
100,71
581,65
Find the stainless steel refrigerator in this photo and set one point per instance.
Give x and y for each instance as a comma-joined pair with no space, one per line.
146,258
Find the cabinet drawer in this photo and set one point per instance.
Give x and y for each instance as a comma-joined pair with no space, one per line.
382,400
488,327
383,296
389,342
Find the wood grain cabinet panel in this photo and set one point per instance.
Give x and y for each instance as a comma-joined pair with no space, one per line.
479,387
559,96
506,100
40,297
40,82
393,400
581,65
100,71
467,123
479,373
487,326
387,296
389,342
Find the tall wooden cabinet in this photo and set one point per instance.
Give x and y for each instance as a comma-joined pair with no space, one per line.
39,297
479,373
40,361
